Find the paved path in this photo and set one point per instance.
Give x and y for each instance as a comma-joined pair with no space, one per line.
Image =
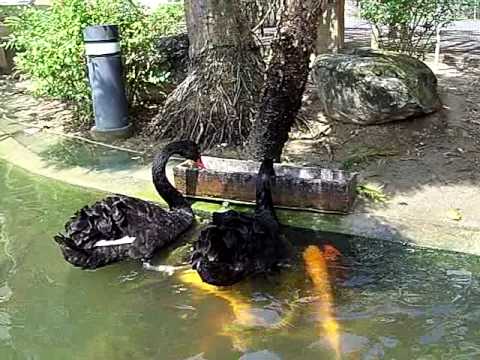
459,37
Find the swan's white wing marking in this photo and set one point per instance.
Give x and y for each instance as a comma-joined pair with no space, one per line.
123,241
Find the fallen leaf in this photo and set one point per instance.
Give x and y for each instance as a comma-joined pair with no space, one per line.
31,131
454,214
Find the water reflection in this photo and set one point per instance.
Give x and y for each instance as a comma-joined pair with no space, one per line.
72,153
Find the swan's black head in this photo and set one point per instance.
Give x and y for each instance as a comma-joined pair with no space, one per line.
185,148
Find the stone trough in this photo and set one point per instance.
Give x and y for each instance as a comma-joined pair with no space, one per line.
306,188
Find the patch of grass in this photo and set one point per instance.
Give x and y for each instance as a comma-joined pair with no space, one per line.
372,192
364,155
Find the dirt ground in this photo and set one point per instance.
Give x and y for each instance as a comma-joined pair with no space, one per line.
442,148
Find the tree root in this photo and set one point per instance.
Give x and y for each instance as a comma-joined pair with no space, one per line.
217,101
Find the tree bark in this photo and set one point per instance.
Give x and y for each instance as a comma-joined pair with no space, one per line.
287,77
217,101
331,28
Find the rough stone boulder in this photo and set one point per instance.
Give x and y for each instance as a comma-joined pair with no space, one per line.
366,87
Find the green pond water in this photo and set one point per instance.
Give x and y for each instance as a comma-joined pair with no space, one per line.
390,302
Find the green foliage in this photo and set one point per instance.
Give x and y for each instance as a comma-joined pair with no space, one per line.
408,26
6,11
141,55
50,47
469,9
372,192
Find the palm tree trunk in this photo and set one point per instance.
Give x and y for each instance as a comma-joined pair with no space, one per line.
217,101
287,77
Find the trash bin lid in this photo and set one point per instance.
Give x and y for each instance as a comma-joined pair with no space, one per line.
100,33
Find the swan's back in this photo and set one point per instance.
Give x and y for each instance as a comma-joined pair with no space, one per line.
235,245
121,227
115,218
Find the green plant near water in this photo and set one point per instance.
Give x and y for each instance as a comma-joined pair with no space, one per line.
50,47
372,192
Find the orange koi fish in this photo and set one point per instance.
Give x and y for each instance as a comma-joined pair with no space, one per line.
240,306
316,266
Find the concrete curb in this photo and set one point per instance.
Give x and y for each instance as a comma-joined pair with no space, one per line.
369,223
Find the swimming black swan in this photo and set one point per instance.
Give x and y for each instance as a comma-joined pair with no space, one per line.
235,245
120,227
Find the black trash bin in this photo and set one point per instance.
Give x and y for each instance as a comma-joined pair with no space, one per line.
105,74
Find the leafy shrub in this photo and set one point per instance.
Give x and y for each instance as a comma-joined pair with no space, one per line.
469,9
8,10
50,46
408,26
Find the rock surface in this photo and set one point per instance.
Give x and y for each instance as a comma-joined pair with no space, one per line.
367,88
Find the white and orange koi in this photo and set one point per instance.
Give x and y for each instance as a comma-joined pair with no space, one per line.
240,306
316,267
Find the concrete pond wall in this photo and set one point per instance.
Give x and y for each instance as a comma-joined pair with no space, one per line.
414,226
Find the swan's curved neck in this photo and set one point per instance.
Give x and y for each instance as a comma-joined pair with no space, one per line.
263,192
172,196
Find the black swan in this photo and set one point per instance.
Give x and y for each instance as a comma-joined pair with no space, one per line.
120,227
234,246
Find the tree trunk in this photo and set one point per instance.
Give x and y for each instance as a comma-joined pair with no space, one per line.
287,77
217,101
340,24
325,33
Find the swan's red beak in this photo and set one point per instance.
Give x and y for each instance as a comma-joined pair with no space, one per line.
199,164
